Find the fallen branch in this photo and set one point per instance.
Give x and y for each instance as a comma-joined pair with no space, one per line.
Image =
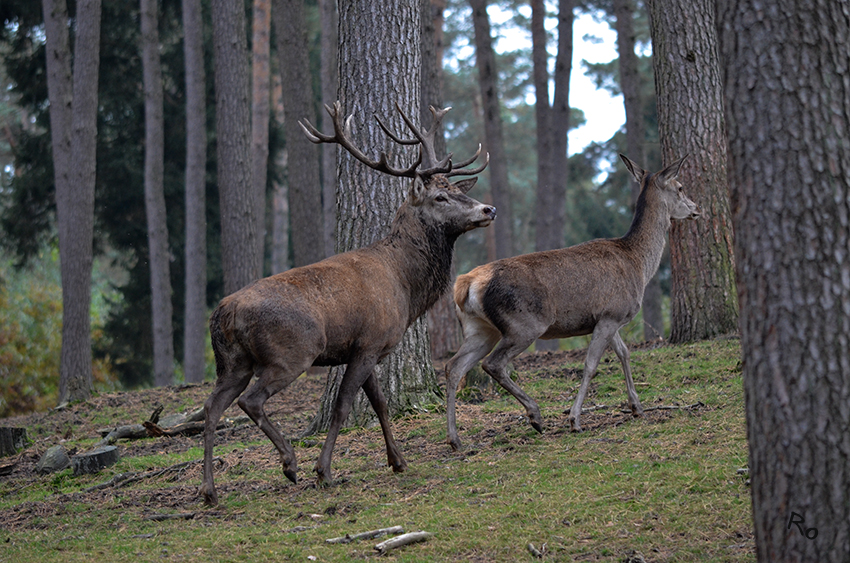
538,553
184,429
697,405
116,479
347,538
124,479
402,540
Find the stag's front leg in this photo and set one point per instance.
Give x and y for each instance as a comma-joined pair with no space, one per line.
355,375
372,388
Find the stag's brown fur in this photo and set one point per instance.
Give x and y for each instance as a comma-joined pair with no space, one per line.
592,288
352,308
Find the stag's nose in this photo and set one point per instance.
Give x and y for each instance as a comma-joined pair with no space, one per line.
490,211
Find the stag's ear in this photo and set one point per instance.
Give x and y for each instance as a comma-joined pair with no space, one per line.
671,171
636,171
465,185
417,191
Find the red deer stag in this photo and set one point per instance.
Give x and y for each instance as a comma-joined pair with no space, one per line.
592,288
352,308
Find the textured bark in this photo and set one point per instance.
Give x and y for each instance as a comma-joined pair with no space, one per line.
330,87
304,186
195,318
73,129
703,301
653,319
485,60
161,308
787,91
379,69
241,222
260,104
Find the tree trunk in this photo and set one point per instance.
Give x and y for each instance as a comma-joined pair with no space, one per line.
703,299
280,201
330,87
161,309
305,191
787,90
553,123
73,125
260,102
443,326
487,76
241,222
195,319
653,319
379,69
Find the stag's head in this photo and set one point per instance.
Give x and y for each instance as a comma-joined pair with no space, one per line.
431,194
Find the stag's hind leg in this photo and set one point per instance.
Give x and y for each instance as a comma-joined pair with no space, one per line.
270,380
372,388
233,378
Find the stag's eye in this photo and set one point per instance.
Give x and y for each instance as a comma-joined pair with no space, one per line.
441,198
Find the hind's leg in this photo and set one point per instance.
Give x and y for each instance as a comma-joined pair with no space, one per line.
497,366
478,340
623,353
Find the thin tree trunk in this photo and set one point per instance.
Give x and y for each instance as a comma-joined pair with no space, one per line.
280,202
443,326
703,299
195,318
305,191
73,124
161,308
487,76
240,220
653,319
379,69
787,91
260,96
330,87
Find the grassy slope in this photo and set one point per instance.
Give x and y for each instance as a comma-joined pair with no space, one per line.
664,486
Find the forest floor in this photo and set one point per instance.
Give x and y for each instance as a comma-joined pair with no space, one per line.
660,488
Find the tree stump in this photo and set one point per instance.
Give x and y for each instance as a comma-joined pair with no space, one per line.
95,460
12,439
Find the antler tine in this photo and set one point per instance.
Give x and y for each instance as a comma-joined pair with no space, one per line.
471,171
393,136
472,159
342,137
426,142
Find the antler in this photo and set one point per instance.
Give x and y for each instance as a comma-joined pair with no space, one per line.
426,164
342,137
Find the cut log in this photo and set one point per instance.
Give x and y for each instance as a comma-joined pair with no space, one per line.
95,460
12,439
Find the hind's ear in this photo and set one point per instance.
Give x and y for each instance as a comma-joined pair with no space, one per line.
672,171
416,194
636,171
465,185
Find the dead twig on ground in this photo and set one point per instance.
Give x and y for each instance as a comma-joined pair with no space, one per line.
347,538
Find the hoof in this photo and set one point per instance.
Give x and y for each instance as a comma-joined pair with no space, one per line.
537,426
210,496
290,474
575,426
398,467
637,411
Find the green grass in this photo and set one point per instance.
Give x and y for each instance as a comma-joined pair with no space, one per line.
665,485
